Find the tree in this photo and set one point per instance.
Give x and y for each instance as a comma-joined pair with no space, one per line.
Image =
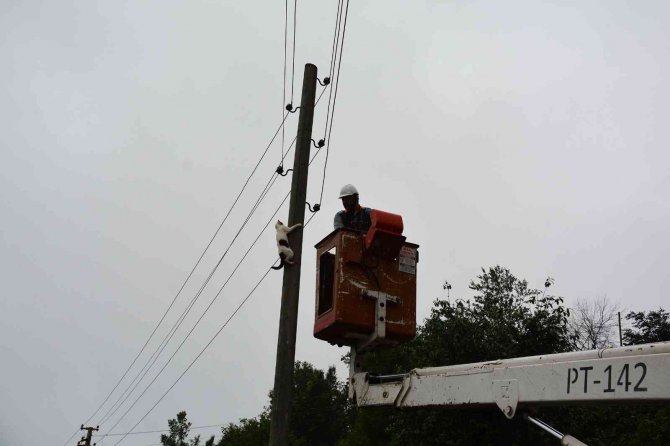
647,327
593,323
249,431
179,430
320,413
506,318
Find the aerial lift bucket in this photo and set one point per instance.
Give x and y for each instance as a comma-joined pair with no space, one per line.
366,285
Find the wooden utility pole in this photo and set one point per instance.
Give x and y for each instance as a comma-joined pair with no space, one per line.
86,441
288,316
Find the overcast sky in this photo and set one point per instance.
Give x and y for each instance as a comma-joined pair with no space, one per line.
523,133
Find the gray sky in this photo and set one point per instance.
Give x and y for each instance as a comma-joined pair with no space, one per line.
529,134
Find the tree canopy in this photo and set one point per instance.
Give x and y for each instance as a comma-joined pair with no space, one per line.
179,430
320,413
505,318
653,326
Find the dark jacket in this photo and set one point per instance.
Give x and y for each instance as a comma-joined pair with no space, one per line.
359,219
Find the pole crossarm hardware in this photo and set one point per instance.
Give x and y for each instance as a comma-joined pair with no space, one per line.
639,373
86,440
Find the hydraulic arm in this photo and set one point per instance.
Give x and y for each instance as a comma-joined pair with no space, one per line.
635,373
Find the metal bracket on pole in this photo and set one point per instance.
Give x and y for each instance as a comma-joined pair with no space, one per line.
380,294
380,318
359,350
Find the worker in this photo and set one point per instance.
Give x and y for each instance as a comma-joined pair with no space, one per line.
354,216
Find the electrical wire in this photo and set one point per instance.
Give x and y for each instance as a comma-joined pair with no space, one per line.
72,436
255,207
208,344
199,354
281,126
283,99
175,327
295,13
228,320
198,321
332,117
105,417
178,323
337,77
333,59
338,14
159,431
154,357
258,201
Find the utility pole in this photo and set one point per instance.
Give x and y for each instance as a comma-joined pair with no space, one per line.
86,441
620,337
288,316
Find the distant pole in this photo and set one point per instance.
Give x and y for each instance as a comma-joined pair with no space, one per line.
620,337
86,441
288,316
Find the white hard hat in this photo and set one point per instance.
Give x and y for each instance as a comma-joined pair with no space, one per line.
348,190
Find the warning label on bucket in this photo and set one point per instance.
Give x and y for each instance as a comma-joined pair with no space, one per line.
407,260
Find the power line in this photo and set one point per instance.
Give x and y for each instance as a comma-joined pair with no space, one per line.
289,106
159,431
295,13
335,38
231,316
337,84
281,126
199,354
187,310
333,60
283,99
258,201
154,357
72,436
199,319
181,319
337,76
208,344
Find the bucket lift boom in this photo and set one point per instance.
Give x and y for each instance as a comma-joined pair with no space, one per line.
639,373
366,298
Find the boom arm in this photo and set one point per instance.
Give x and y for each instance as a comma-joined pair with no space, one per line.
632,373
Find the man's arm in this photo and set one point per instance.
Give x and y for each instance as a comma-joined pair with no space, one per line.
338,222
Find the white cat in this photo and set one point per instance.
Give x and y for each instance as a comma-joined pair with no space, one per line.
285,251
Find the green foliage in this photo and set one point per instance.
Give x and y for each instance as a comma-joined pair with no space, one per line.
320,408
249,432
505,318
320,413
648,327
179,430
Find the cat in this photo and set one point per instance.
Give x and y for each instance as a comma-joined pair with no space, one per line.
285,251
